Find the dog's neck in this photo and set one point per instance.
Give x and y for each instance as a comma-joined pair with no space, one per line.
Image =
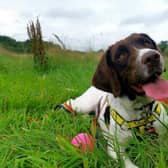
130,109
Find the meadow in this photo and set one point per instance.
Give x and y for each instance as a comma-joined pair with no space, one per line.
32,135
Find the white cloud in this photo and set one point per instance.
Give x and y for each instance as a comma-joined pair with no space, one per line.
84,24
150,19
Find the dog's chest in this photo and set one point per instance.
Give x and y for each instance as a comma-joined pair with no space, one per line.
128,115
132,110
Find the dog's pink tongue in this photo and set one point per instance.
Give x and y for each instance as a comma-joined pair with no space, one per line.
157,90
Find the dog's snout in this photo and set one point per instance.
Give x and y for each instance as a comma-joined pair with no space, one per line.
151,58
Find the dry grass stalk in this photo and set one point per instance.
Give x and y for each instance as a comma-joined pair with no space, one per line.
35,35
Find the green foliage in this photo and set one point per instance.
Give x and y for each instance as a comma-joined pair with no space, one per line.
13,45
21,46
163,45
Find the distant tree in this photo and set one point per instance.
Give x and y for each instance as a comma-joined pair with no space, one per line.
35,35
16,46
163,45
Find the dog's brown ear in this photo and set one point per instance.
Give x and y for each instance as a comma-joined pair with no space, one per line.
106,77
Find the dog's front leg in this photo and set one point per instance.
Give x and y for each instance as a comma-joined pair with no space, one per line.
88,101
116,147
114,139
113,153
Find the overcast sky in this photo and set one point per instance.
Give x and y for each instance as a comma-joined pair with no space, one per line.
86,24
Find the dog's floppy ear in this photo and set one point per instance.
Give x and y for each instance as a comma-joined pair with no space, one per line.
106,77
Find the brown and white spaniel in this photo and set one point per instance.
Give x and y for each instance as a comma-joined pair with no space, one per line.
124,91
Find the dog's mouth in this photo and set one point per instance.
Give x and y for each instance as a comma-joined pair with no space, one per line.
139,87
154,87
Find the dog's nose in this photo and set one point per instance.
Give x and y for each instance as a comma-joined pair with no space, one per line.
151,58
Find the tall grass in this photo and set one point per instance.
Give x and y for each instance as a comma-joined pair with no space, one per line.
32,135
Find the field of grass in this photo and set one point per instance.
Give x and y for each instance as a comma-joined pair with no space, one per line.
33,136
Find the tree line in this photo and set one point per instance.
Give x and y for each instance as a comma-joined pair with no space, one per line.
26,46
13,45
163,45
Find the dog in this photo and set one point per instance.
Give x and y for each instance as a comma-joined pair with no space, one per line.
118,96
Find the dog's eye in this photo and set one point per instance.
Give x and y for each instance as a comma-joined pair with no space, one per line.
146,42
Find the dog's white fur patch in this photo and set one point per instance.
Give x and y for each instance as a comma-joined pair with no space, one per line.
94,98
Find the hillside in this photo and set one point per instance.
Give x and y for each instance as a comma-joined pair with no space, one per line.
21,46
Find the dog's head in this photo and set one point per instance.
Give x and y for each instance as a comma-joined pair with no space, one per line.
129,64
